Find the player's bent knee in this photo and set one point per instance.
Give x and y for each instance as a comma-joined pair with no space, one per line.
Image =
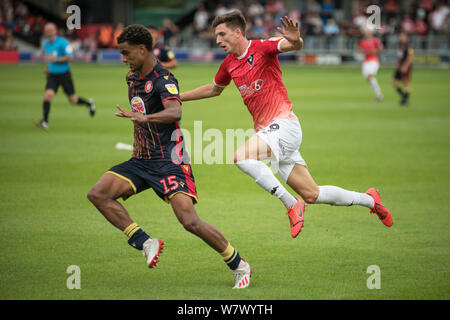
311,197
73,99
96,196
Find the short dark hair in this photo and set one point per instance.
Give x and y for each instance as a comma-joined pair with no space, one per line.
152,27
136,34
234,19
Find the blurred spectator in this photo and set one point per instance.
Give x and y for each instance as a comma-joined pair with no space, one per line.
408,25
169,30
313,7
8,43
116,33
255,10
392,9
328,9
105,36
331,30
201,19
314,24
221,9
438,16
359,19
258,31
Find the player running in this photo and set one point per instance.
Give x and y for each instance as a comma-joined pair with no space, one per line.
157,162
58,54
253,66
371,47
402,73
165,56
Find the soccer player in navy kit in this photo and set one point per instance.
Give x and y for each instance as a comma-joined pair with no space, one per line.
58,54
159,160
405,55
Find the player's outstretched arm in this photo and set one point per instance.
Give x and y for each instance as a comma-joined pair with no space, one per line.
170,114
206,91
291,33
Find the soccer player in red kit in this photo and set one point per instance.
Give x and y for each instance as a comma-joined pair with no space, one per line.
253,66
371,47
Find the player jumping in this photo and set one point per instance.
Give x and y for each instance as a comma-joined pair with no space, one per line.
371,47
253,66
158,162
58,54
402,73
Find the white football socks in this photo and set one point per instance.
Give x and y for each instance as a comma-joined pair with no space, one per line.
340,197
374,85
265,178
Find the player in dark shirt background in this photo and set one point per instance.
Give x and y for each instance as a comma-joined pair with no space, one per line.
402,73
158,160
161,51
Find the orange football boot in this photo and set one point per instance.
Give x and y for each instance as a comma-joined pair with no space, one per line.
382,212
295,215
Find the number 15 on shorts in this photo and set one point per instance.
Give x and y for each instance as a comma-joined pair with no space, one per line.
169,184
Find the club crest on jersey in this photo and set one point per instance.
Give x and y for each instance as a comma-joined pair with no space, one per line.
148,86
250,60
138,105
172,88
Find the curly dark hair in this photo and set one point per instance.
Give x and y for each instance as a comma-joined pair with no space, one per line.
136,34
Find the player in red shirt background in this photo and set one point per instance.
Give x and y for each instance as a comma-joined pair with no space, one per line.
254,68
371,47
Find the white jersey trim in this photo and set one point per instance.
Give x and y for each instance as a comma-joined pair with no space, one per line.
218,85
246,50
279,44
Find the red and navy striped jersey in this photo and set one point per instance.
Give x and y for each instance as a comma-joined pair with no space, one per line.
146,95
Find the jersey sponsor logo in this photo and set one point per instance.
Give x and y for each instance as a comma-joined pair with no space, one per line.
156,51
172,88
138,105
148,86
254,87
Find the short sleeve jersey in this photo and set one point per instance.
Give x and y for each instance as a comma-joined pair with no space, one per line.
369,44
60,47
257,75
146,95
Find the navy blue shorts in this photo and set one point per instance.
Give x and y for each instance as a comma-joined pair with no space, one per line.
163,176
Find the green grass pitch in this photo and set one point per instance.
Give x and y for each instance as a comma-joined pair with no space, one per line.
349,140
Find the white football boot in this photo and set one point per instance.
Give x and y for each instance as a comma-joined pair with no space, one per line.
151,249
91,107
242,275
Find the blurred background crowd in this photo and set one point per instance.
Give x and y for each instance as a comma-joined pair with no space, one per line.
322,22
